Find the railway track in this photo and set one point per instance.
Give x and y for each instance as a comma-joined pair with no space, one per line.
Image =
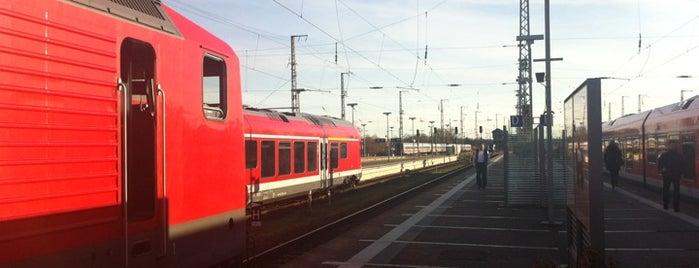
288,232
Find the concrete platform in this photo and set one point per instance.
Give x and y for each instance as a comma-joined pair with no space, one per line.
456,225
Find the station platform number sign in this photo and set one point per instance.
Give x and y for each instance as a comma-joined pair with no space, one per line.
516,121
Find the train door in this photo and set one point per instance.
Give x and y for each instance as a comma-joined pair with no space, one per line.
334,161
689,155
324,171
628,153
251,168
144,231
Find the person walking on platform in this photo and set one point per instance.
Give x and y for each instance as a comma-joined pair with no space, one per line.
613,162
480,160
670,166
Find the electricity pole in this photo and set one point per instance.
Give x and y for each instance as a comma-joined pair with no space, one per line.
343,93
295,104
524,79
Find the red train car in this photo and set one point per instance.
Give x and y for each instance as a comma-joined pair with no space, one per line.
644,136
113,116
288,155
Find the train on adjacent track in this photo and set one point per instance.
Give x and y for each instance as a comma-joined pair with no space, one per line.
293,154
426,148
124,143
643,136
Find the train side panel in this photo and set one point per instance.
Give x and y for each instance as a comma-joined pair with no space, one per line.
643,137
345,164
674,123
289,155
205,195
60,184
628,133
65,121
284,155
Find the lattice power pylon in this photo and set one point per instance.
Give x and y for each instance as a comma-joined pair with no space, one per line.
524,79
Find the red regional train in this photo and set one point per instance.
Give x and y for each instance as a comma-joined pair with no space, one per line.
289,155
642,137
113,116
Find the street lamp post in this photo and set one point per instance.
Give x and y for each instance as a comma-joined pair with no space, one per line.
364,139
640,102
388,139
549,123
496,120
441,116
431,137
352,105
412,119
461,117
475,128
400,109
448,131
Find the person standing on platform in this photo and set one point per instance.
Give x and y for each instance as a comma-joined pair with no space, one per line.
670,166
480,160
613,162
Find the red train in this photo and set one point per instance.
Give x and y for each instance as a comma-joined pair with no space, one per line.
642,137
120,127
289,155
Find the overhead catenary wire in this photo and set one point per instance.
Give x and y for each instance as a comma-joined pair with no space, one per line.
278,39
642,72
342,43
425,38
417,41
416,54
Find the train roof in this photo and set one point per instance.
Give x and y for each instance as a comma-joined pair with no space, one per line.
688,104
271,121
145,12
673,115
676,116
319,120
158,16
275,115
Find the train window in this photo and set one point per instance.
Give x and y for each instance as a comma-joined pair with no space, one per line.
685,104
299,157
605,142
284,158
688,151
268,155
636,149
662,144
652,152
628,153
250,154
343,150
312,156
214,87
673,139
334,163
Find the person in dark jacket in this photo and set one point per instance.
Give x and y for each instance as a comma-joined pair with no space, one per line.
613,162
670,166
480,160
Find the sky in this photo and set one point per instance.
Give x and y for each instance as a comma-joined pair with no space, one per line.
460,54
